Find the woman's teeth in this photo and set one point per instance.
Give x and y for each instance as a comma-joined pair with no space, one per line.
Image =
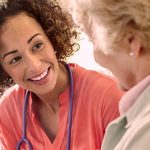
37,78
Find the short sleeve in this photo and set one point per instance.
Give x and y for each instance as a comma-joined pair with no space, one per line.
109,108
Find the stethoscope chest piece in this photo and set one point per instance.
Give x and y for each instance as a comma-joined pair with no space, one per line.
24,141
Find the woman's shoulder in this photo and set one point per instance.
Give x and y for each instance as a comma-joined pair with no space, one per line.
11,95
92,77
11,108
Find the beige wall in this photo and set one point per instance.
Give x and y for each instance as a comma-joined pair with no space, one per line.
65,3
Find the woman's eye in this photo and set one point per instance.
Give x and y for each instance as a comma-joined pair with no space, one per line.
15,60
38,46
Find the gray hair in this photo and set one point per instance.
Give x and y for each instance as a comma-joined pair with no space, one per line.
119,17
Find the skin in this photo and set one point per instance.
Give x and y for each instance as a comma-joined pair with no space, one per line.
28,57
128,70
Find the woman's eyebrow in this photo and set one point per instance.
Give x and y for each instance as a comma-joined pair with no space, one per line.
14,51
33,37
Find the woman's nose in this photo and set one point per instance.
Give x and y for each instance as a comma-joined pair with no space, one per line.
33,62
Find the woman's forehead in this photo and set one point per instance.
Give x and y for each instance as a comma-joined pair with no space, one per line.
18,30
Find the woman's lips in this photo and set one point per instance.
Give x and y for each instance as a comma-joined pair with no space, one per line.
41,79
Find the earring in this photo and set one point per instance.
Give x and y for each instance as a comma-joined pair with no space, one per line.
60,60
131,54
55,52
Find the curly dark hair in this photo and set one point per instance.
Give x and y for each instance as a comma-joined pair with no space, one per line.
56,22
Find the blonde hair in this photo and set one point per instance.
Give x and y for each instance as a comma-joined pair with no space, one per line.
120,17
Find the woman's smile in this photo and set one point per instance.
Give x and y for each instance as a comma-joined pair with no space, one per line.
41,78
31,53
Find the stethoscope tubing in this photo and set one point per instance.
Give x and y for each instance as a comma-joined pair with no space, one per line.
70,107
24,139
24,124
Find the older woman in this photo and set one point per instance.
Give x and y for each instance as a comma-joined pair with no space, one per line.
120,31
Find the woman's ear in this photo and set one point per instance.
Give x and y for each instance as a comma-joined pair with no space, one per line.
135,46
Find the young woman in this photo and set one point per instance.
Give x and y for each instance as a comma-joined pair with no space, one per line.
53,105
120,31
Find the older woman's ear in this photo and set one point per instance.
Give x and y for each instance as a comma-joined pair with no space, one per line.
135,46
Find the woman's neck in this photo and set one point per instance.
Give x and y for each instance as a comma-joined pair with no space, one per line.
51,99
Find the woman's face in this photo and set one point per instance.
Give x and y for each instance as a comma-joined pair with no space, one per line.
27,55
116,60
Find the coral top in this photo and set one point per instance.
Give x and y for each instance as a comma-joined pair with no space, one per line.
95,104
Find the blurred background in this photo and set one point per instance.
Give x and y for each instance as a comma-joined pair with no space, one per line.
84,57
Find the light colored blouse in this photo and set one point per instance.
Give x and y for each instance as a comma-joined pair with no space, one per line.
131,131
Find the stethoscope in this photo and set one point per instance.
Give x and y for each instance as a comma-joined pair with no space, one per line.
24,138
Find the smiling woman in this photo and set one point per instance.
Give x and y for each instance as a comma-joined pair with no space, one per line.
31,49
36,37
